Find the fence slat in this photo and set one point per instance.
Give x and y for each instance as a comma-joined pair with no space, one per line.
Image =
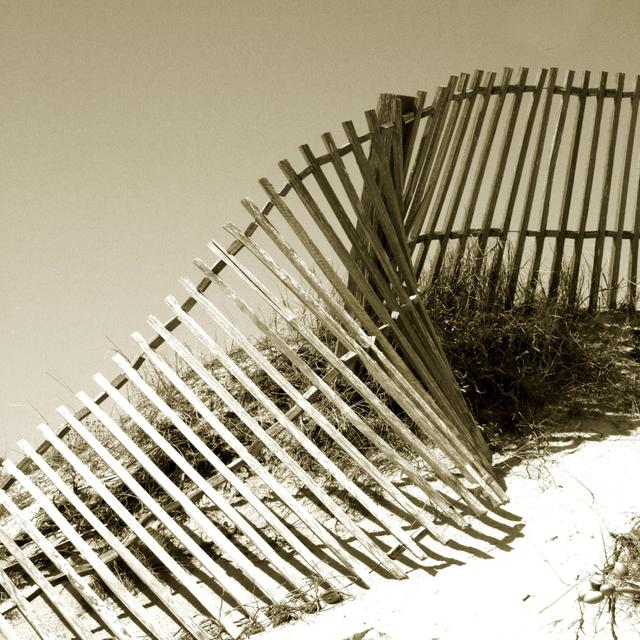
515,185
427,152
104,612
25,608
502,163
462,179
447,135
163,593
107,576
187,581
567,196
410,142
479,173
606,193
398,249
450,165
548,187
634,250
622,207
531,187
6,630
584,214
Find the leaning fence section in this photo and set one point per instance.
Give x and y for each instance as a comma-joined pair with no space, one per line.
244,474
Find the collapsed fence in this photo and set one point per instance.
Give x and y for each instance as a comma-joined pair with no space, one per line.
212,552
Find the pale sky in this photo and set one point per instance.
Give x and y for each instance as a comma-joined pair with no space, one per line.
130,131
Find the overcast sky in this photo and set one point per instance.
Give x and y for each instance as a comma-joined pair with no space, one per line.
130,131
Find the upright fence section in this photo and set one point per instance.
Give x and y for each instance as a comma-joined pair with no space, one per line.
295,427
541,173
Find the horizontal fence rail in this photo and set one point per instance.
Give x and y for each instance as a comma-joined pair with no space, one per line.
207,490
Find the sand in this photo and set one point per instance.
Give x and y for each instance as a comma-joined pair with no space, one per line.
514,579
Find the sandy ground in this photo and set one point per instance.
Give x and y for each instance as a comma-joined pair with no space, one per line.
514,579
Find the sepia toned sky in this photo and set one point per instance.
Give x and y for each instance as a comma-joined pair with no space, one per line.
131,129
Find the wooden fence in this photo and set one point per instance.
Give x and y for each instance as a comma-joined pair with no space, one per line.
240,490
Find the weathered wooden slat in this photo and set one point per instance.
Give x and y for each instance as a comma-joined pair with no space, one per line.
414,174
532,185
6,630
204,598
225,471
596,273
252,463
462,178
390,191
387,284
614,273
450,166
166,599
422,210
443,121
634,249
384,108
128,600
548,187
61,607
26,609
410,142
515,184
104,612
502,163
399,252
482,165
397,150
584,214
366,244
253,573
567,196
